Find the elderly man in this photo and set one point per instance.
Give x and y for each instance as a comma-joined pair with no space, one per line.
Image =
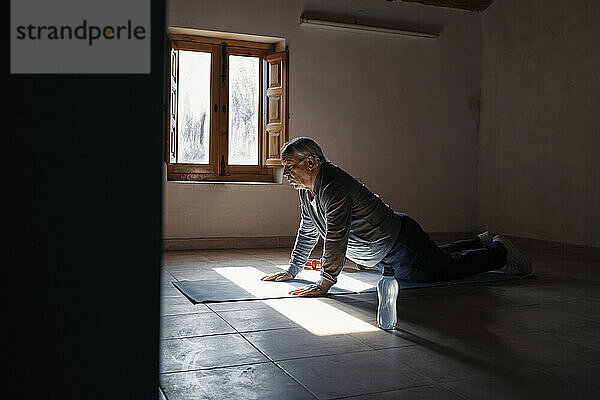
355,223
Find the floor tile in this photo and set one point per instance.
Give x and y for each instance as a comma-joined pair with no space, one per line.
479,298
536,292
546,317
488,323
273,256
362,310
226,255
184,255
235,262
257,319
415,393
237,305
534,385
580,382
277,251
259,381
540,350
441,304
207,352
586,307
186,325
491,322
447,328
456,289
330,377
168,290
440,362
180,305
281,262
518,353
588,336
381,339
297,342
195,273
165,276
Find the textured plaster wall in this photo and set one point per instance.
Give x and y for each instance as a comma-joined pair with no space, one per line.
539,147
401,114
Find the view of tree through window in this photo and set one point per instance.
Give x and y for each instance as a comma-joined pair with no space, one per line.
194,107
224,97
243,110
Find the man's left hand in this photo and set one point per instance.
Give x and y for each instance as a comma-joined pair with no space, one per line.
309,291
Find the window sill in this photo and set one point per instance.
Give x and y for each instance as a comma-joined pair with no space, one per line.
206,182
187,174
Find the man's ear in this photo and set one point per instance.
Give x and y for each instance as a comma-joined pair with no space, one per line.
311,162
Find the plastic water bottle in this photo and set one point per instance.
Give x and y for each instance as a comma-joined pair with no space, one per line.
387,292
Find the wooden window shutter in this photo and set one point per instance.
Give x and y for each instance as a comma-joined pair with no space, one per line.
275,108
173,105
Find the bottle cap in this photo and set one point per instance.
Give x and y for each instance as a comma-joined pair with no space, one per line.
388,271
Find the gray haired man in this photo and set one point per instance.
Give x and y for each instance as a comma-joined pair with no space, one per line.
355,223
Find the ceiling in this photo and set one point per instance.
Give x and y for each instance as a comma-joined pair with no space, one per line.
471,5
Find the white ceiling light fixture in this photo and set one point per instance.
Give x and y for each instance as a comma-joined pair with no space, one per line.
339,26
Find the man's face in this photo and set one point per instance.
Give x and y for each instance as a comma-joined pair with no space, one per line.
297,172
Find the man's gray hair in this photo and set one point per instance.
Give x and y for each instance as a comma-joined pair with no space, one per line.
303,147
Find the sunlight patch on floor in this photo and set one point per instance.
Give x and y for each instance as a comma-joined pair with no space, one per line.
343,281
312,314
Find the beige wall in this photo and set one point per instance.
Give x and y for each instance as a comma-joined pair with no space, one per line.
539,168
398,113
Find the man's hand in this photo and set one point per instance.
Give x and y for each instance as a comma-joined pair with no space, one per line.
309,291
277,276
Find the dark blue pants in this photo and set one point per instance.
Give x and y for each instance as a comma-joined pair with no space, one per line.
416,258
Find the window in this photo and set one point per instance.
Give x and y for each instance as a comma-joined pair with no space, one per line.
227,109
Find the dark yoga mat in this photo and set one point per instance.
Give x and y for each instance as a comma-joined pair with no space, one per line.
214,291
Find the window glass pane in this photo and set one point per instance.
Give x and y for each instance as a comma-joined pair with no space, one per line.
193,122
243,110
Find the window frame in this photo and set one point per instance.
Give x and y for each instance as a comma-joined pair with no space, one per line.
219,121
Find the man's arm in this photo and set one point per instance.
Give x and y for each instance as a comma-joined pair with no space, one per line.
338,218
306,240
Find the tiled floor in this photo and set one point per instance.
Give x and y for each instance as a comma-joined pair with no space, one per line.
527,339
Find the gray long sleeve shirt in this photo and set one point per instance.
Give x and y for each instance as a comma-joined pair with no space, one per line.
352,221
